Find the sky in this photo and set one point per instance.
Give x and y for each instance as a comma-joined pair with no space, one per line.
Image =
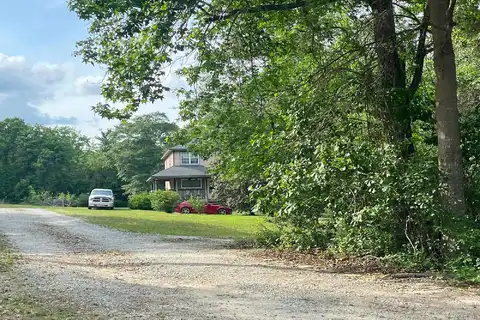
40,79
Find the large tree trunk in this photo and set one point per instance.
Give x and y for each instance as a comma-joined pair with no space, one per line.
448,131
392,71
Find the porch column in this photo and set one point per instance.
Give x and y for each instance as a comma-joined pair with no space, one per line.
206,188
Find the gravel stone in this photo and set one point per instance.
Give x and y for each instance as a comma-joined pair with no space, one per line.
122,275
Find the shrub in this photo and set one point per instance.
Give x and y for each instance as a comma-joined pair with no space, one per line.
33,197
471,155
41,198
366,201
82,200
140,201
197,203
65,200
268,237
165,200
121,203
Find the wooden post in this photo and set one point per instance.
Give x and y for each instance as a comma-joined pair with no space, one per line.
205,188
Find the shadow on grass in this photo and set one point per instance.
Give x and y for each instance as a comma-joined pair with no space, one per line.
175,227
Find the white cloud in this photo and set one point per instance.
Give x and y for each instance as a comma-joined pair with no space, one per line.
11,62
73,104
23,84
50,73
62,94
88,85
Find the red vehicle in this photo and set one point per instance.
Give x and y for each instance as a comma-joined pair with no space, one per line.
209,208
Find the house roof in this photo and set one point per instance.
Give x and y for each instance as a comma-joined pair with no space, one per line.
175,148
191,171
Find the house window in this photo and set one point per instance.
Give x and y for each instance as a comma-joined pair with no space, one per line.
189,158
191,184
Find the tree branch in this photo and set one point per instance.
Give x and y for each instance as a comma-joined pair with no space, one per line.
261,8
450,9
420,54
410,13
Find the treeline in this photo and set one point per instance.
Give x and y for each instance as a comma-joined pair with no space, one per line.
38,163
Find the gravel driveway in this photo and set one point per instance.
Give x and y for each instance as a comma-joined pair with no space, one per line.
118,275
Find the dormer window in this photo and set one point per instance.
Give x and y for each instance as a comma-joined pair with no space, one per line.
189,158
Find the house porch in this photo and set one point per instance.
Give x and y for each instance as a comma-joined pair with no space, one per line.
186,187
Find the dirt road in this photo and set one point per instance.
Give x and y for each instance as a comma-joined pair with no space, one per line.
118,275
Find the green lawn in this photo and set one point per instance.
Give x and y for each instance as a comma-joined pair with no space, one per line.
218,226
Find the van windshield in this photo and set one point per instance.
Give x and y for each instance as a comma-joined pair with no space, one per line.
101,193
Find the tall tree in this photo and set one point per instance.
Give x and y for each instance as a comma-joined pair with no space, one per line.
448,131
136,147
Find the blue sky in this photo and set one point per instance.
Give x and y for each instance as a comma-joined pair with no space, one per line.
40,80
40,29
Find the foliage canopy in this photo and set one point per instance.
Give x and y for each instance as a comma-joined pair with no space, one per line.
325,109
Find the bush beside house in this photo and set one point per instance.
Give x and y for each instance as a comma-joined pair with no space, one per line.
165,200
140,201
162,200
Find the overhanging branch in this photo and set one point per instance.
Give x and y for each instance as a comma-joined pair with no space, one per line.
261,8
420,54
